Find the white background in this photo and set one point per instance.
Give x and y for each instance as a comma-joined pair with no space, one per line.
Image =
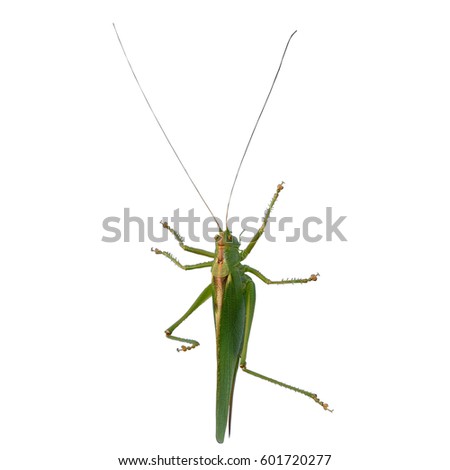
358,121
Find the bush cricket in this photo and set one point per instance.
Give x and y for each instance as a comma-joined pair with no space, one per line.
232,290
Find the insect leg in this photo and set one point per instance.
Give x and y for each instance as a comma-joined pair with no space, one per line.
263,278
258,234
290,387
250,299
180,241
203,297
186,267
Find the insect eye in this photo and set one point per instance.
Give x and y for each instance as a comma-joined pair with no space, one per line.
216,237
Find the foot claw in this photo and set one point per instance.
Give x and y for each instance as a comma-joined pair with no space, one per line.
321,403
187,348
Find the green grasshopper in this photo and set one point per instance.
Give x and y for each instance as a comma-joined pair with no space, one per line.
231,289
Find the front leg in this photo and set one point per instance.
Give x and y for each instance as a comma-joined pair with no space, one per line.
263,278
180,241
258,234
185,267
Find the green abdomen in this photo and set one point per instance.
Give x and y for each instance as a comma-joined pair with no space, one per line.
229,317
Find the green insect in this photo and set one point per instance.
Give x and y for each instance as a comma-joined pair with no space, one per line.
232,291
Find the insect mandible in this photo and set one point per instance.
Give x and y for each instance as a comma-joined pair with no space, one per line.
232,291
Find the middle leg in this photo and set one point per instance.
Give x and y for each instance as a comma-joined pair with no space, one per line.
263,278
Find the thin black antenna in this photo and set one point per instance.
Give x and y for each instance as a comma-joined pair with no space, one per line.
162,129
256,125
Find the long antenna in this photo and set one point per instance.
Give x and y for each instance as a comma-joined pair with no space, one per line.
162,129
256,125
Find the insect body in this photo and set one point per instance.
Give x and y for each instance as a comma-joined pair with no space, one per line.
233,294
